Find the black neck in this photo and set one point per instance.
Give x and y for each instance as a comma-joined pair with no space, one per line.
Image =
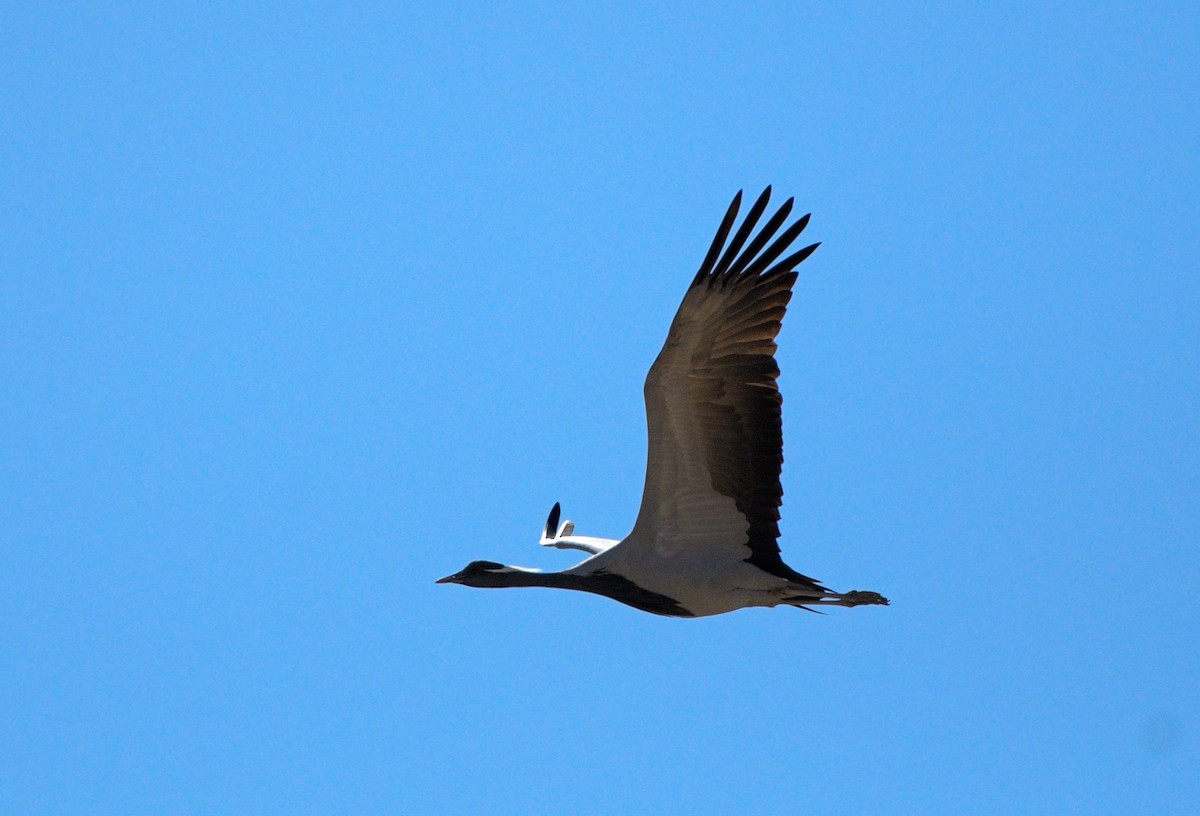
600,582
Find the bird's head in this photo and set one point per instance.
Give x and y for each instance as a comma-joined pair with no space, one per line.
481,574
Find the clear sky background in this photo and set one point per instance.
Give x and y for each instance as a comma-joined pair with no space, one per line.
303,308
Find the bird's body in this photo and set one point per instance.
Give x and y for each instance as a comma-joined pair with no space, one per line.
704,542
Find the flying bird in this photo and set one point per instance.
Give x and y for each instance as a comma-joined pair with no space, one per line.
705,540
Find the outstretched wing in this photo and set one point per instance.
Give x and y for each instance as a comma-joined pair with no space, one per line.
562,538
713,407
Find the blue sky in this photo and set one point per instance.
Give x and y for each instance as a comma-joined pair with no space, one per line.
304,307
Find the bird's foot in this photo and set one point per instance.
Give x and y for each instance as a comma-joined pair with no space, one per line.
862,597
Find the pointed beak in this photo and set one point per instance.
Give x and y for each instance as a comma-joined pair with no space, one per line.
449,579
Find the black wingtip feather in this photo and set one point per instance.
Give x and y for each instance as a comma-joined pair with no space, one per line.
739,238
740,260
765,234
719,238
776,249
552,522
792,261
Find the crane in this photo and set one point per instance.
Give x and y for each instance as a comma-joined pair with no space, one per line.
705,540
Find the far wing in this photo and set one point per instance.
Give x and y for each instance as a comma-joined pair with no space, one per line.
561,537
